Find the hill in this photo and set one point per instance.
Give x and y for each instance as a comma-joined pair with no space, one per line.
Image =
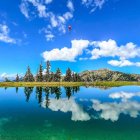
108,75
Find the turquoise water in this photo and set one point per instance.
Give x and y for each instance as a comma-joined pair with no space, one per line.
65,113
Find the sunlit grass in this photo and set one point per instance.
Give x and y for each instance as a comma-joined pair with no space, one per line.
43,84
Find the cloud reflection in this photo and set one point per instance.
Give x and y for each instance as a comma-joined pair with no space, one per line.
65,105
112,110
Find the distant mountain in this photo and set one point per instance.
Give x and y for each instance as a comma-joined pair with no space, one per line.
108,75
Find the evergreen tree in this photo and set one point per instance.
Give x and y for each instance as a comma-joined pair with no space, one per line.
47,75
77,77
57,76
39,76
52,75
74,77
7,80
28,76
68,76
17,78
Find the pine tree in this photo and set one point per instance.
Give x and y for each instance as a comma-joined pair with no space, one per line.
47,75
28,76
52,75
73,77
17,78
39,76
77,78
57,76
68,76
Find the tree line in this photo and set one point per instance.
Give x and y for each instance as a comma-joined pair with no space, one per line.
49,76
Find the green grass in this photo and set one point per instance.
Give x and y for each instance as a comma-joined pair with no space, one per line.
43,84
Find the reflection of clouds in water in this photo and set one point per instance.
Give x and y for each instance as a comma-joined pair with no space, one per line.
66,105
111,111
123,95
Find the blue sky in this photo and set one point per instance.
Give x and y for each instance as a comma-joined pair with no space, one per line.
105,34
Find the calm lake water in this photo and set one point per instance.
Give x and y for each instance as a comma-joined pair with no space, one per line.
65,113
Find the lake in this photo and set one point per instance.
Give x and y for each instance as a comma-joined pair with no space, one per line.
70,113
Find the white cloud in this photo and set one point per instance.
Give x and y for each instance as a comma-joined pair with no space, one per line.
66,54
48,1
122,63
41,8
111,111
83,58
48,34
67,15
49,37
93,4
57,22
124,96
111,49
99,49
4,34
70,5
65,105
24,9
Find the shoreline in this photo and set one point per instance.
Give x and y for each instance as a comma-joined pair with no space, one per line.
68,84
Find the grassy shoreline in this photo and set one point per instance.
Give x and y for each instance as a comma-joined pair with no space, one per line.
44,84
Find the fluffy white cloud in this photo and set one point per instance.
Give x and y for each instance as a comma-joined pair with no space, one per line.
122,63
111,111
70,5
66,54
104,49
4,34
24,9
48,1
41,8
111,49
66,105
93,4
99,49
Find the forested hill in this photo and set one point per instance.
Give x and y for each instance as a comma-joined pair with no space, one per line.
108,75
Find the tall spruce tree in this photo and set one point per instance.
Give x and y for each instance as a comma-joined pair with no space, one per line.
28,76
57,76
52,75
47,75
39,76
17,78
68,77
77,78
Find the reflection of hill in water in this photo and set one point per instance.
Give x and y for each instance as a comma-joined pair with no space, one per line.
100,87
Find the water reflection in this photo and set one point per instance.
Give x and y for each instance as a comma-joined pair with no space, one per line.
28,91
63,99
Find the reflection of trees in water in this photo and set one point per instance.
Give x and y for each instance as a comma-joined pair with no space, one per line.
5,88
68,91
16,89
75,89
71,90
57,91
39,91
28,91
47,91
